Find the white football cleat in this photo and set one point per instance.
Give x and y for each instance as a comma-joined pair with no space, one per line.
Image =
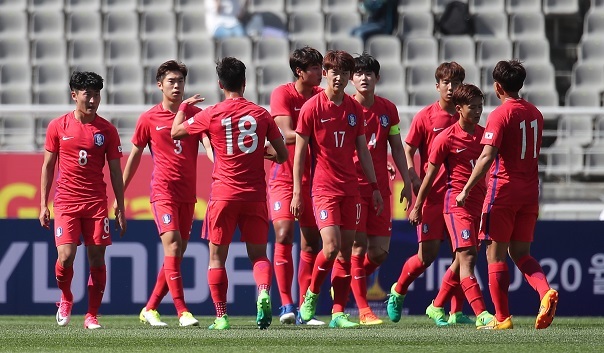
64,312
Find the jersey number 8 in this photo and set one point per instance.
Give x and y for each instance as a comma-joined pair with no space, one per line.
243,133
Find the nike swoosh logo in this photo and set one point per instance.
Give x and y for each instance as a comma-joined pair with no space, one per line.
160,127
438,129
174,278
325,120
321,268
359,277
65,138
461,150
279,263
297,109
104,236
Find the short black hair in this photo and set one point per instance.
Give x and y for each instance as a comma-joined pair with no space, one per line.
231,73
170,65
366,62
510,75
303,58
82,81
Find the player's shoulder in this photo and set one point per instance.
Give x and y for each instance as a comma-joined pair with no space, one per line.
60,120
284,90
312,103
426,112
479,130
103,123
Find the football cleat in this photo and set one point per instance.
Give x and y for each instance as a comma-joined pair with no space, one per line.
496,325
369,318
547,309
484,318
459,318
264,316
312,322
151,317
220,323
437,314
91,322
395,304
64,312
309,305
288,314
340,320
187,319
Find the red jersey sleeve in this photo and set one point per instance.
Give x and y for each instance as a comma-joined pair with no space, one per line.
305,120
360,118
416,134
280,99
52,138
440,149
273,132
198,124
114,147
141,135
493,132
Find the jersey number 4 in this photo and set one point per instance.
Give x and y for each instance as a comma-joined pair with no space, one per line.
244,131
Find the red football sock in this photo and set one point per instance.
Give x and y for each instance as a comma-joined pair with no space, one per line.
412,269
64,276
219,283
370,266
473,294
320,272
284,271
448,286
359,282
340,282
305,268
499,283
174,280
458,298
262,273
96,287
534,275
159,291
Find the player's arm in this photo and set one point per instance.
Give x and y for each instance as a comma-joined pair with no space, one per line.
285,124
205,140
280,149
178,131
296,207
367,165
400,159
134,160
117,183
409,155
415,216
480,170
48,173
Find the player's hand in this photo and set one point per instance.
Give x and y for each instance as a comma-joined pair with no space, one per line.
417,184
270,153
378,202
296,207
115,207
45,217
461,198
415,217
120,217
406,195
196,98
391,170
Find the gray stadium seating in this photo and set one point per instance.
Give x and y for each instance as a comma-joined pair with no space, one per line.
420,78
532,50
306,25
266,6
158,50
124,50
84,51
405,6
46,24
119,5
589,76
486,6
191,25
339,6
420,51
385,48
271,50
83,25
91,6
590,50
522,6
13,5
292,6
157,24
182,6
339,25
195,50
239,47
490,24
13,50
491,50
457,48
560,7
527,25
352,45
44,5
50,50
415,24
593,26
583,97
120,24
155,5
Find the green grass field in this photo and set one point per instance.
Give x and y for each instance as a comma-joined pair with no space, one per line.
412,334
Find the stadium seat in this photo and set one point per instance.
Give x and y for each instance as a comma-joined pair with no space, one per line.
490,24
15,96
405,6
423,97
195,50
119,5
50,50
92,6
191,24
182,6
596,5
522,6
13,5
540,75
263,98
15,76
120,25
398,97
122,51
583,97
526,25
50,76
202,79
594,162
83,51
438,6
385,48
339,6
490,98
46,24
238,47
593,25
420,51
126,96
339,25
125,125
45,5
531,51
352,45
13,51
415,24
158,50
271,50
420,78
83,25
457,48
590,50
125,76
560,7
306,25
17,133
155,5
486,75
392,77
266,6
472,75
486,6
153,97
273,75
563,161
491,50
317,43
575,130
158,24
293,6
588,76
542,98
52,96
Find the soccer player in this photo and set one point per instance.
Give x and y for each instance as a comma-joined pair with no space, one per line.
286,101
237,130
332,124
426,125
81,141
457,148
173,195
512,140
372,239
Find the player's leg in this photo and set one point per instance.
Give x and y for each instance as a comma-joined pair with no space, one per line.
284,268
67,234
310,246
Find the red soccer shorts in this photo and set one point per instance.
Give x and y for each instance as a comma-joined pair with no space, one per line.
173,216
433,223
373,224
88,219
463,229
280,198
506,223
223,216
343,211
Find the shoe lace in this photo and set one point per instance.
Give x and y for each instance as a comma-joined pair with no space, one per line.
92,319
343,317
64,307
154,314
397,300
370,316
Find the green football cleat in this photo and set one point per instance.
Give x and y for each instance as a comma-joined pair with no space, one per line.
340,320
220,323
459,318
395,304
309,305
437,314
264,316
484,318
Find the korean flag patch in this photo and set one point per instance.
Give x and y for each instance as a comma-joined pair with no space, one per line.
384,120
99,139
488,135
323,215
166,218
352,120
59,232
465,234
277,206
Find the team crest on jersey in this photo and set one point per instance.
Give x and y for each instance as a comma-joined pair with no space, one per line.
166,218
425,228
384,120
488,135
323,215
352,120
99,139
59,232
465,234
277,206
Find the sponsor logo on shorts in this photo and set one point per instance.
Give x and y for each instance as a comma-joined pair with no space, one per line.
59,232
465,234
277,206
323,215
384,120
166,218
352,120
99,139
425,228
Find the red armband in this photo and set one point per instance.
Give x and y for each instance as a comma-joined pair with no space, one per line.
183,107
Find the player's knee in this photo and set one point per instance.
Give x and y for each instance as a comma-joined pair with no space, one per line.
331,251
377,255
284,237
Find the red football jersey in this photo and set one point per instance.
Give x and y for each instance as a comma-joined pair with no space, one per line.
332,130
515,128
378,120
426,125
458,151
81,150
237,129
287,101
174,161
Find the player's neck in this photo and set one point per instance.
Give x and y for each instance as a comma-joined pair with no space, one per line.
335,97
467,127
232,94
449,107
172,106
366,99
83,117
304,89
509,96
